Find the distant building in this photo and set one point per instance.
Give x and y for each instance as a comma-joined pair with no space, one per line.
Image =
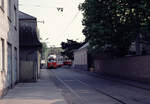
9,45
81,57
53,50
30,48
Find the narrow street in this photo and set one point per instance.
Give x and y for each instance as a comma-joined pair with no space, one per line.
74,52
67,86
84,89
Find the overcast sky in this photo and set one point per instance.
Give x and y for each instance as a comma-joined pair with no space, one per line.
58,26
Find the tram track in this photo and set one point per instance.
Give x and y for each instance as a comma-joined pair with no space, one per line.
61,84
102,92
114,80
84,101
122,99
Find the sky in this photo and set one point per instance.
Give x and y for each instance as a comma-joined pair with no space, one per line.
58,26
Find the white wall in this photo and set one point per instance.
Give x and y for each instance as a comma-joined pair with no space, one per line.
9,32
80,57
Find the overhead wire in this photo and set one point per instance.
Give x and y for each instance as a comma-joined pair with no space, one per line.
70,23
43,6
39,6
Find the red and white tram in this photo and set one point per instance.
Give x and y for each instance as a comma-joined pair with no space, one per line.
67,61
52,62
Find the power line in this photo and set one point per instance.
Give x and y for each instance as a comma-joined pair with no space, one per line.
40,6
59,8
70,23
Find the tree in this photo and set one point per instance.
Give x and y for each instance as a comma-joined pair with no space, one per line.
112,25
44,49
69,47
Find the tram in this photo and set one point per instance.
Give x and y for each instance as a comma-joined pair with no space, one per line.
60,60
67,61
55,61
52,62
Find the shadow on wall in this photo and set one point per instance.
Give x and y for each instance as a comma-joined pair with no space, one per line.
26,73
134,68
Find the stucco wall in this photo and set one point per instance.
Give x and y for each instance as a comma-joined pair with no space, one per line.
135,68
80,59
39,61
28,56
10,34
26,73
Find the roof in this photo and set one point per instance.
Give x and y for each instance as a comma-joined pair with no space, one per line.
84,46
28,37
23,15
27,33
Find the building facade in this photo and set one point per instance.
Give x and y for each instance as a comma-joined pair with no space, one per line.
81,57
30,48
9,45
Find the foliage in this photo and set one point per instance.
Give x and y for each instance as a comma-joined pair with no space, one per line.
44,49
69,47
112,25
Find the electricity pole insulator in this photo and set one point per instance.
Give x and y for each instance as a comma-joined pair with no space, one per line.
60,9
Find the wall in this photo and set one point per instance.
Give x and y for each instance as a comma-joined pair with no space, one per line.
28,73
29,48
80,59
135,68
9,33
39,61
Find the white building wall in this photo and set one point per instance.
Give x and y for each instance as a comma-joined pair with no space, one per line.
80,58
9,32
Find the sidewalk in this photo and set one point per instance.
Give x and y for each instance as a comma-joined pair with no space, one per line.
42,92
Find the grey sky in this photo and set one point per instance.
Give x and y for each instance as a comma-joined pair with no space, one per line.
58,25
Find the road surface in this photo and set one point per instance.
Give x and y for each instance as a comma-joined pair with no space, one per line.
79,88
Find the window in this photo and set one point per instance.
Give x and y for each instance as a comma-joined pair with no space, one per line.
2,54
2,4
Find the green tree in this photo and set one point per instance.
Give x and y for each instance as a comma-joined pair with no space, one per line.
69,47
44,49
112,25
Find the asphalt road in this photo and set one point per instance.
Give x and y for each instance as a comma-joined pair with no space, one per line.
79,88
